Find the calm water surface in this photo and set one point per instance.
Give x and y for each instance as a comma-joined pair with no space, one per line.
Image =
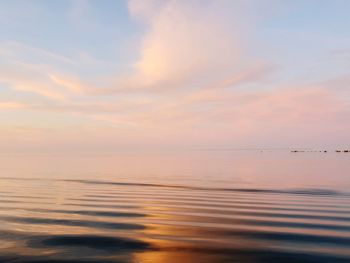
176,207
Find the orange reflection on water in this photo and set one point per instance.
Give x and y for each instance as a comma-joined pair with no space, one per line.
174,257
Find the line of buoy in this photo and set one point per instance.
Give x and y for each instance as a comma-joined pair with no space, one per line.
325,151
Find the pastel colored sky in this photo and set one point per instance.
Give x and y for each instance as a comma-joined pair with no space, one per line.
147,74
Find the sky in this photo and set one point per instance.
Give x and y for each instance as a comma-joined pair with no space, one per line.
105,75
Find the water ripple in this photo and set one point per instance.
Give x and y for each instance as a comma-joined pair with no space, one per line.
100,221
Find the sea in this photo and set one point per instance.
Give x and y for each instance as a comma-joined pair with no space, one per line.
204,206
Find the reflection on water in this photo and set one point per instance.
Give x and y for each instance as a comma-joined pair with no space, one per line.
139,218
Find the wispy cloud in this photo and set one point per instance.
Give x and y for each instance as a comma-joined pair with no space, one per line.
17,49
29,78
12,105
186,42
36,70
